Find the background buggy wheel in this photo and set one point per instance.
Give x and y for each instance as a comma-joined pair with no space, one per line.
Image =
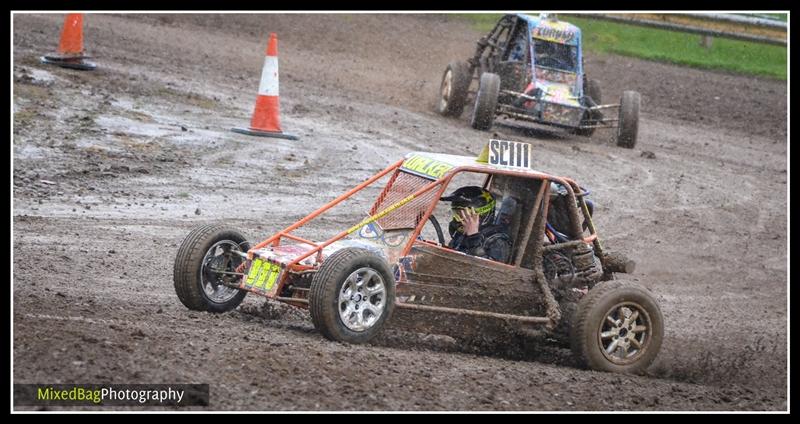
618,328
628,128
454,89
352,296
203,252
486,101
587,119
591,89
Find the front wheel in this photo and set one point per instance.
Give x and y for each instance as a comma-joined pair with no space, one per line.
486,101
618,328
205,269
352,296
628,129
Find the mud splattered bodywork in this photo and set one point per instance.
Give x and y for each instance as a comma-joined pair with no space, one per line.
433,278
353,282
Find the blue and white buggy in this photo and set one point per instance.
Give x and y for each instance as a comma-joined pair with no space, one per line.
531,69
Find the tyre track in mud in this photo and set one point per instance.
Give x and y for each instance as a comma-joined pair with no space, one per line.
725,308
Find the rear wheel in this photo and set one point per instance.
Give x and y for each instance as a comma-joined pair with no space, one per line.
203,266
454,89
628,129
618,328
486,101
352,296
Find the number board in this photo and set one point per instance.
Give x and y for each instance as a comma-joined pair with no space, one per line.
262,275
510,153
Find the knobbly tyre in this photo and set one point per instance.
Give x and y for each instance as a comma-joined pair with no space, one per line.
531,69
559,280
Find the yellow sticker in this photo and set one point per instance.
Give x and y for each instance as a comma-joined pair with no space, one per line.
265,271
263,275
426,167
276,269
253,273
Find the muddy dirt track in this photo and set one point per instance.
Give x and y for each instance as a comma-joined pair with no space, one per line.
113,168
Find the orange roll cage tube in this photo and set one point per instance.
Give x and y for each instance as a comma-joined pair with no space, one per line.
441,183
318,248
276,238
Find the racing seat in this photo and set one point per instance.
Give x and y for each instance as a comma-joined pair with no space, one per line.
558,221
523,194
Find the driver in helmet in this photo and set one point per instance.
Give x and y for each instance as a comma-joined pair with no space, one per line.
474,228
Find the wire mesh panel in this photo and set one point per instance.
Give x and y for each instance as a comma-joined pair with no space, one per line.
402,185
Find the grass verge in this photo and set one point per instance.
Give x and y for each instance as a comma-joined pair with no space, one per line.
669,46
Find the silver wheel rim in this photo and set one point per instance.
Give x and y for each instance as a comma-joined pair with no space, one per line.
219,293
362,299
447,84
625,333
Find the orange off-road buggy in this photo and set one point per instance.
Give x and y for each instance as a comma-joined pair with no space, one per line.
559,280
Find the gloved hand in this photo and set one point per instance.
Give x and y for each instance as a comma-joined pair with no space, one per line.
471,221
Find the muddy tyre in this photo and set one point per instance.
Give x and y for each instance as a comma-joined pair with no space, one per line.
486,102
454,89
618,327
628,128
352,296
205,250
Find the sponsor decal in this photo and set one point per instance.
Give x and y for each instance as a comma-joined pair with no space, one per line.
558,32
262,275
426,167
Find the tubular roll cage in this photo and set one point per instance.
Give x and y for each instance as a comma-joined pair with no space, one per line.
440,184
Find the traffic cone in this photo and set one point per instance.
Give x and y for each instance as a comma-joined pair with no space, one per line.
70,49
266,121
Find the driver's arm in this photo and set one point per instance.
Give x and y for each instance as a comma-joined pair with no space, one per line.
497,247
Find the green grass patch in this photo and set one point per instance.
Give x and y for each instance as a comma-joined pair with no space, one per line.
483,22
668,46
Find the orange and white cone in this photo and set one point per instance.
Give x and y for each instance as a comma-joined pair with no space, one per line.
266,121
70,48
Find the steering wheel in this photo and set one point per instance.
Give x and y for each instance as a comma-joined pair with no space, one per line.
438,228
